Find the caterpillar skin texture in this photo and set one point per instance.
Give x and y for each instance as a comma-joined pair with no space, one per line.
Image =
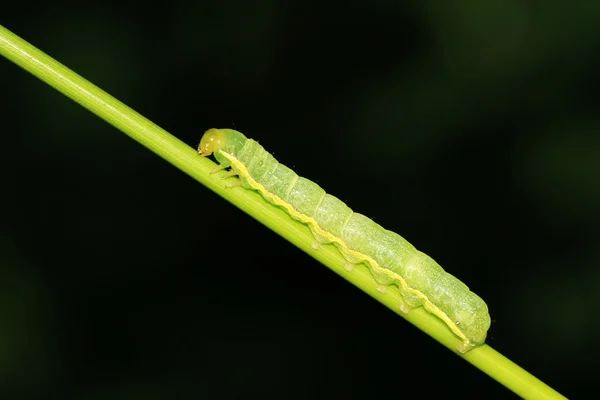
389,257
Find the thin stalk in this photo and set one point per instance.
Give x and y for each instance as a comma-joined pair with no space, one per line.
187,160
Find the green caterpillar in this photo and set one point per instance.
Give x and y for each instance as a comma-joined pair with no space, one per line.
389,257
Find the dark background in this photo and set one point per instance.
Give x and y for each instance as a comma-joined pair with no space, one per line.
470,128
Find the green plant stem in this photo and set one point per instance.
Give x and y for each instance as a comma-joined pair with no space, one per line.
186,159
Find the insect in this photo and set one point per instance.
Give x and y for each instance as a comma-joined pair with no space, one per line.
390,258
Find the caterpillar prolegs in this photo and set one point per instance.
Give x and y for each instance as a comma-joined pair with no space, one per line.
389,257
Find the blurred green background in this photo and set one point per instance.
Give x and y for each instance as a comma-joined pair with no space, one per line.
472,129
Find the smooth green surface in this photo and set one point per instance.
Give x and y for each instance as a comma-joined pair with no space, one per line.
185,158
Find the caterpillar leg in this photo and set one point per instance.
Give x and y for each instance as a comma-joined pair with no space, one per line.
410,301
233,184
405,308
349,267
229,174
382,278
315,245
381,288
464,347
219,168
318,238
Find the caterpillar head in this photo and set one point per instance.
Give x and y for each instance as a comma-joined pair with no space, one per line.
211,142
